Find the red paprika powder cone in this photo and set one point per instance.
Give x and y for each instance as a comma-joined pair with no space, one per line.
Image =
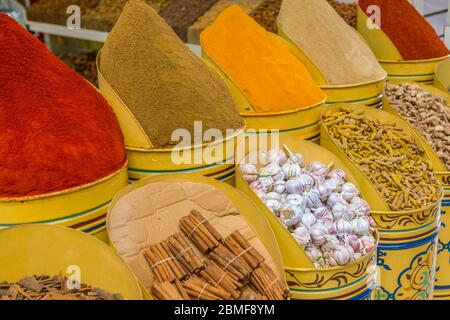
56,131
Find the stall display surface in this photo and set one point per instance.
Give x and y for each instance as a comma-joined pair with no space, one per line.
243,239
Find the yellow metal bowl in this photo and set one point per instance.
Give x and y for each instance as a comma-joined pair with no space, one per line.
408,239
442,285
391,59
52,250
246,208
83,208
304,280
442,80
369,93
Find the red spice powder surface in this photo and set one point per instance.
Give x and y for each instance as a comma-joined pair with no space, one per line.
56,131
410,32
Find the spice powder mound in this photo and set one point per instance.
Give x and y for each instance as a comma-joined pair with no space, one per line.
333,46
56,131
263,67
160,80
410,32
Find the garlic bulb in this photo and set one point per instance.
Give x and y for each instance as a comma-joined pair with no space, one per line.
273,196
331,243
297,158
250,172
294,186
349,191
341,256
291,169
312,199
319,168
361,203
318,233
273,205
250,177
324,191
339,209
335,184
279,186
342,226
333,199
314,252
308,219
306,181
338,174
360,226
276,156
271,169
289,217
321,212
302,236
267,182
295,200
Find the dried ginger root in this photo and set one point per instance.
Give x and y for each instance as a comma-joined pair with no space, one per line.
388,156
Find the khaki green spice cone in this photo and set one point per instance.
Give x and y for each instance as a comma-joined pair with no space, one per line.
160,80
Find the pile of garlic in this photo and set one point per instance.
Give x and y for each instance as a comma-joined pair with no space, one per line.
324,213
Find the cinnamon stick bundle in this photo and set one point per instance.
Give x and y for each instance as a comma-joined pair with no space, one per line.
164,265
214,275
200,231
184,253
201,290
266,283
169,291
228,261
237,244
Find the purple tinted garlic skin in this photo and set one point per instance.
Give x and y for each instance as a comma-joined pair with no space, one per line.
325,214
